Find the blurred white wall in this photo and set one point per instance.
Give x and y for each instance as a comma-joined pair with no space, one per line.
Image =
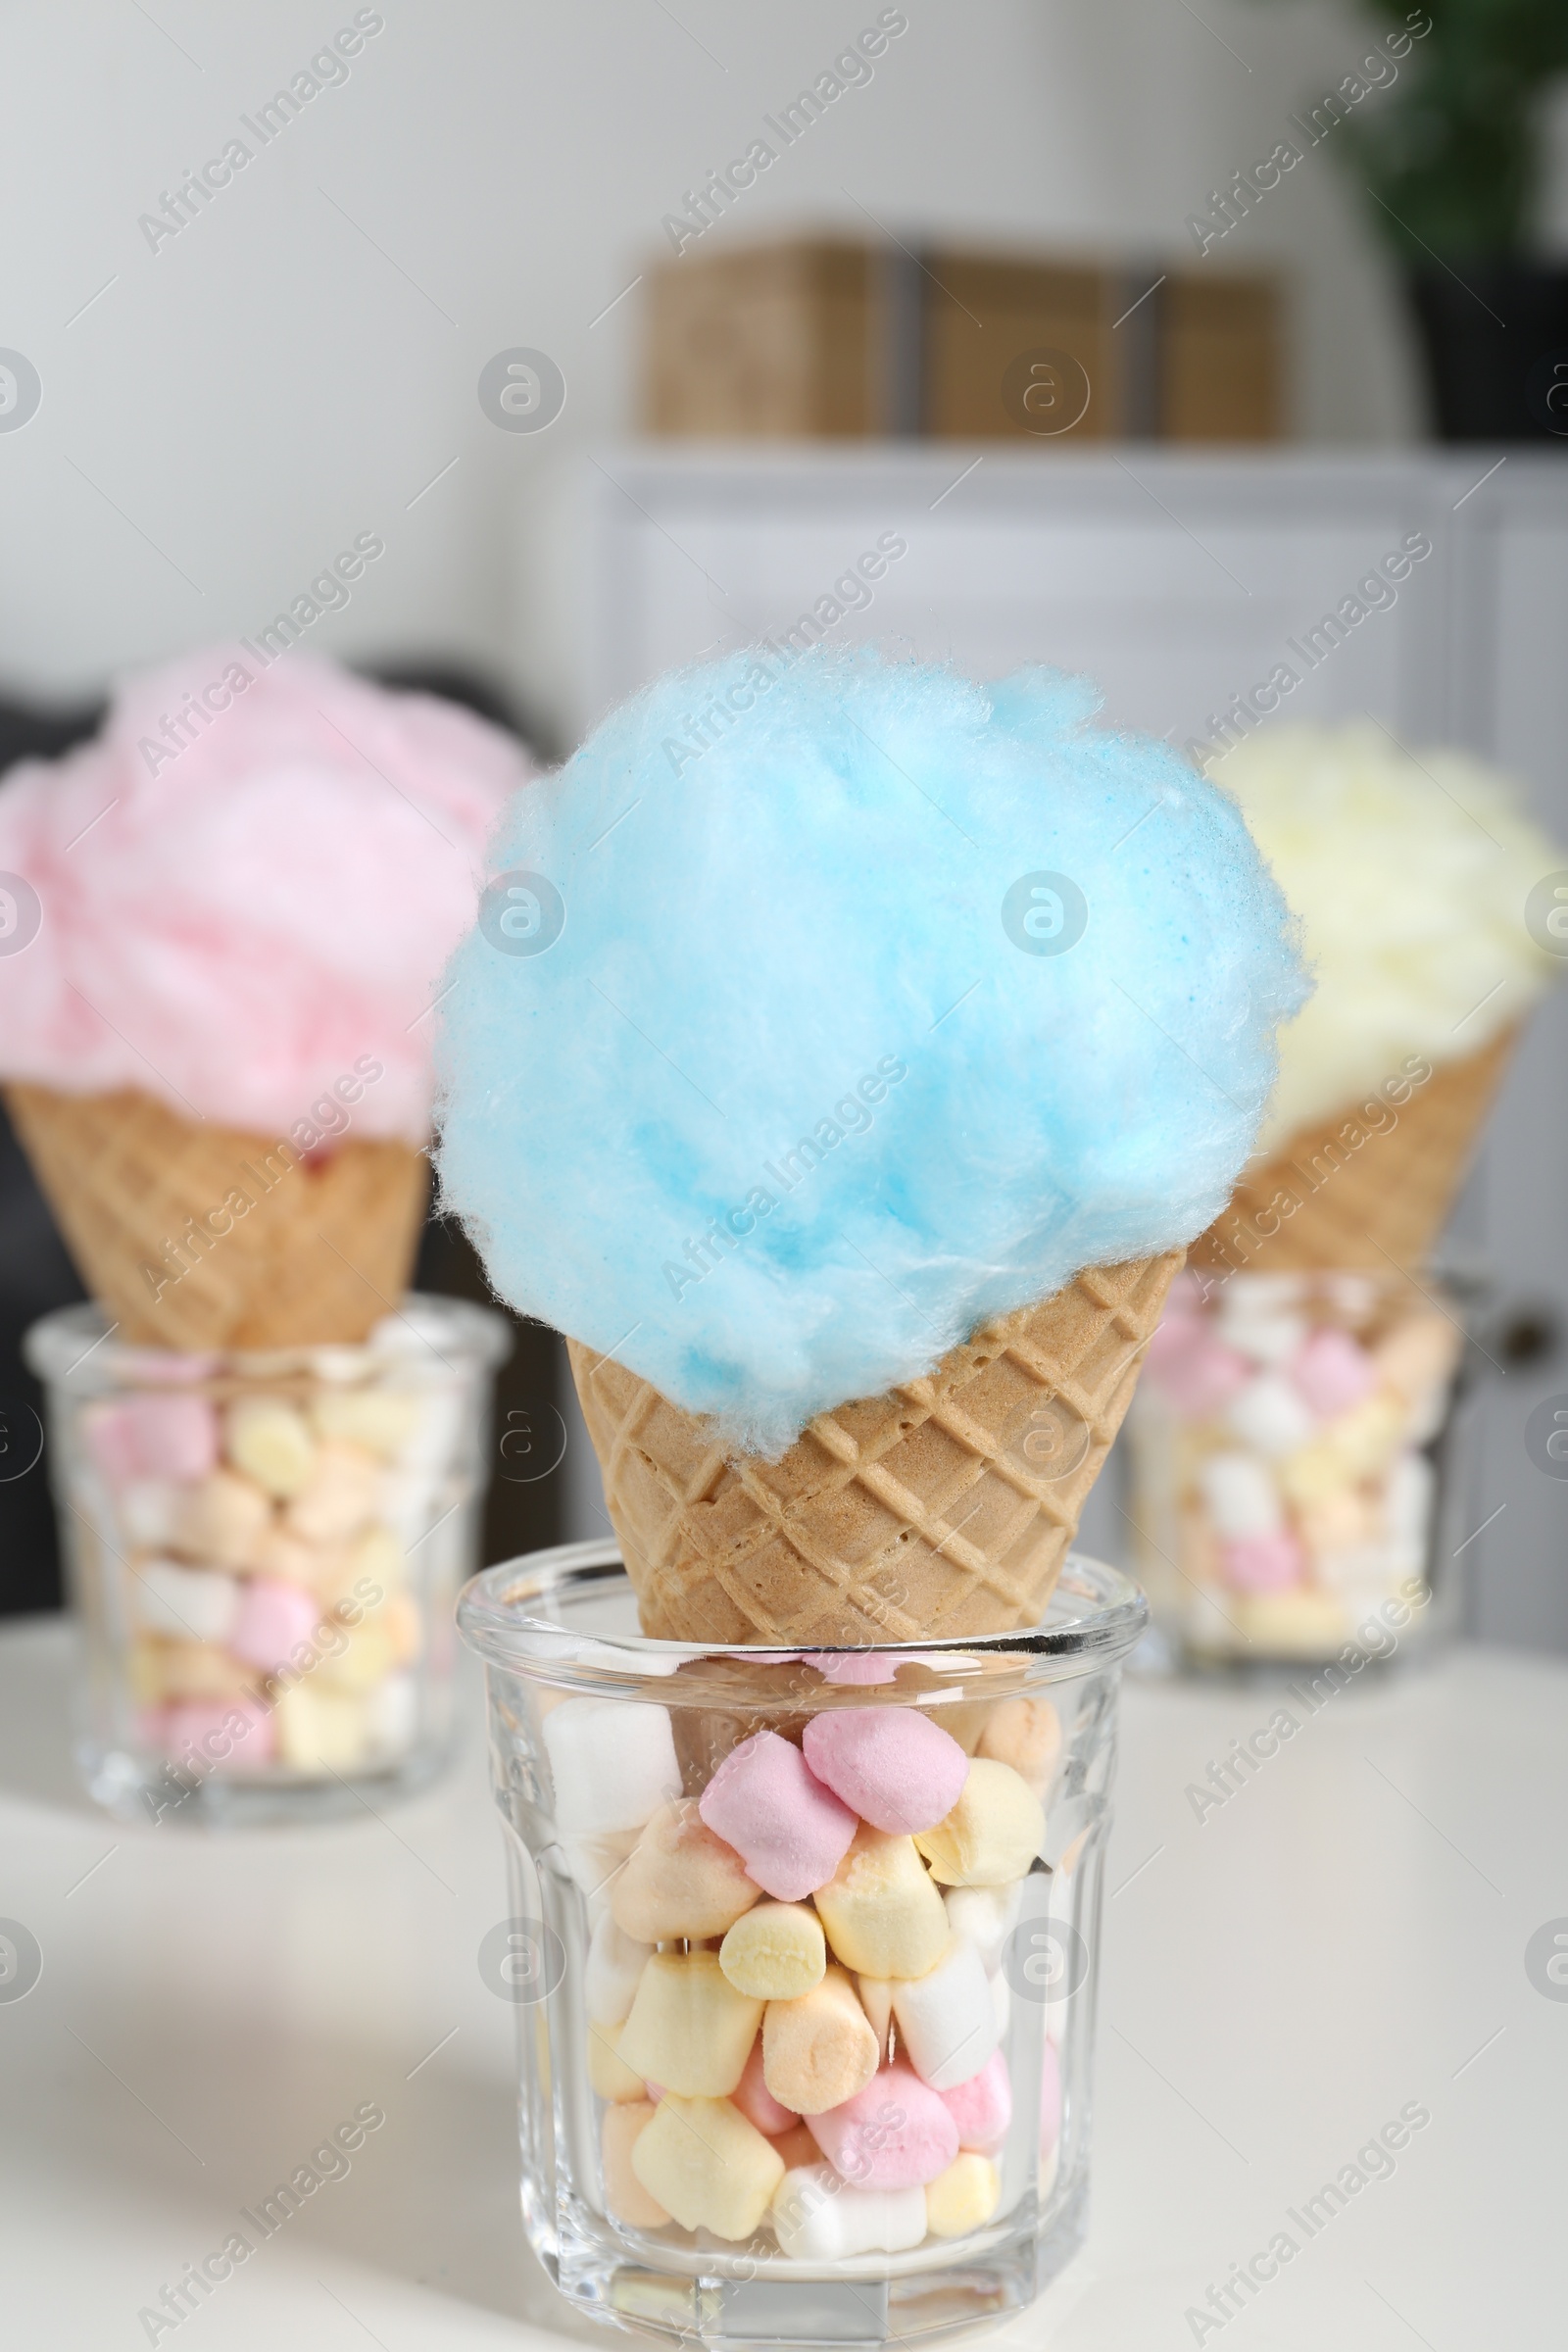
221,416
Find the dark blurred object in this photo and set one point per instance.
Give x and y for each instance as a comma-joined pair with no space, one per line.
1497,349
834,339
36,1274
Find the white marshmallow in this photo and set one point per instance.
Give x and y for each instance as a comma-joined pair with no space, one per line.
1268,1339
1271,1414
1241,1496
818,2218
613,1762
985,1916
148,1508
593,1863
610,1981
193,1604
392,1714
947,2019
1426,1414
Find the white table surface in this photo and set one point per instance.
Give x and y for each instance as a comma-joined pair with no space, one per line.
1347,1934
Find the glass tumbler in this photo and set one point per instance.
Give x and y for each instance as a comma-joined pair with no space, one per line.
1300,1451
803,1950
263,1552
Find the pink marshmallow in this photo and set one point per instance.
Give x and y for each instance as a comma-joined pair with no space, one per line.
982,2107
855,1665
1193,1370
1333,1373
896,2134
144,1435
272,1618
1261,1564
789,1831
1050,2100
755,2101
199,1730
892,1765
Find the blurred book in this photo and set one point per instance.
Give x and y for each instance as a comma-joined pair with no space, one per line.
822,339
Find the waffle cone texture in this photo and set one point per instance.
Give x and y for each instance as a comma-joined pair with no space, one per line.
945,1507
1368,1205
194,1237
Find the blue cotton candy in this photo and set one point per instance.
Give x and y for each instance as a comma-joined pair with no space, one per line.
788,1107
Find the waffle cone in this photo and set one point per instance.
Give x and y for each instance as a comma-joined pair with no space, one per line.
1363,1205
945,1507
322,1251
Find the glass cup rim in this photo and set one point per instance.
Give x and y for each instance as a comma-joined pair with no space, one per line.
74,1347
1096,1615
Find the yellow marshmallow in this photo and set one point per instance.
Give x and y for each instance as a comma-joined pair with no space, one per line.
319,1729
712,2170
819,2050
680,1880
776,1953
1301,1623
625,2197
271,1442
689,2028
964,2198
876,1999
882,1914
338,1498
367,1659
1025,1733
607,2072
993,1833
378,1419
1353,1448
161,1670
221,1519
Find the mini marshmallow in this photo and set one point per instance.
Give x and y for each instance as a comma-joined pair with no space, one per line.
992,1835
1268,1338
338,1498
380,1420
689,2028
1407,1500
982,2107
221,1519
358,1657
149,1510
223,1735
876,1999
320,1730
625,2199
616,1962
272,1620
789,1831
964,2198
159,1670
894,2133
270,1440
613,1763
1271,1415
817,2218
757,2103
1417,1355
892,1765
882,1914
149,1435
392,1715
1333,1372
1261,1564
1025,1733
680,1881
820,2049
707,2165
797,2148
1357,1445
195,1604
985,1916
775,1952
1241,1496
595,1864
608,2075
947,2020
1193,1370
1301,1623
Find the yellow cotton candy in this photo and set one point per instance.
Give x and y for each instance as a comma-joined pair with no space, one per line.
707,2165
882,1914
775,1953
992,1835
964,2198
689,2028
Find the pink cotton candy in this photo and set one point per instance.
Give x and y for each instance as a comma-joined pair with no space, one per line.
1049,2100
153,1437
892,1765
1195,1372
1261,1564
789,1831
757,2103
273,1617
238,922
1333,1373
898,2133
982,2107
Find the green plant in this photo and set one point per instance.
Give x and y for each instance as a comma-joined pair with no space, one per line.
1453,155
